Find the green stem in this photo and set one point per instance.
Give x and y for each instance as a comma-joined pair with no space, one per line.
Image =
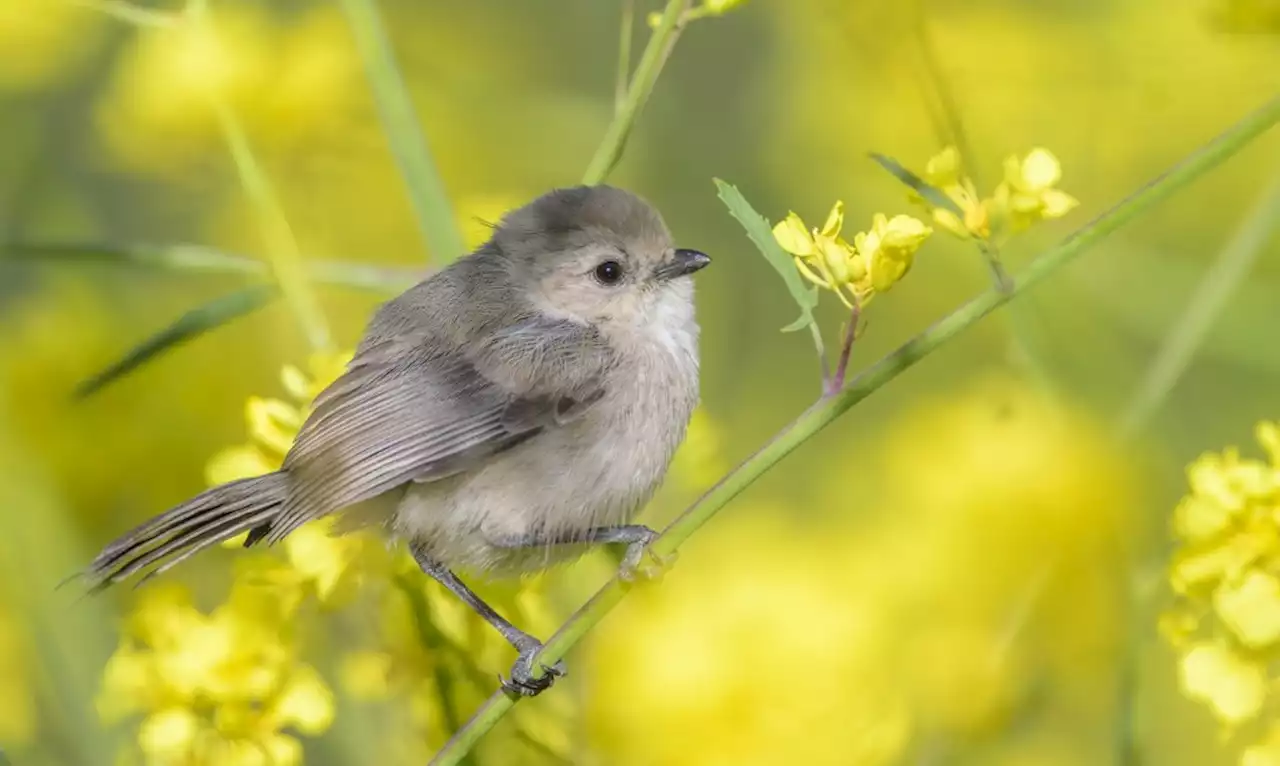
828,408
626,33
951,130
282,247
427,192
1222,279
199,259
646,76
429,636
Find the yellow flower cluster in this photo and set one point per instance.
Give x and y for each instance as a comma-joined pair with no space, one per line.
220,687
17,707
1226,577
288,82
314,557
216,688
876,260
1027,194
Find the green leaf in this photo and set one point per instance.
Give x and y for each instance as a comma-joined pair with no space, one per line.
761,233
932,194
191,325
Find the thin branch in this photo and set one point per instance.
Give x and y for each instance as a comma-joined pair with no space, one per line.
646,76
427,192
826,410
846,349
281,245
1223,277
199,259
626,33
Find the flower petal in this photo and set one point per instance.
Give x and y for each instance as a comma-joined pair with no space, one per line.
1233,687
1040,170
793,236
835,220
1057,203
306,703
1251,609
167,736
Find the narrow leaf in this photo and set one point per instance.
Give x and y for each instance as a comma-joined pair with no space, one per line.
758,229
191,325
932,194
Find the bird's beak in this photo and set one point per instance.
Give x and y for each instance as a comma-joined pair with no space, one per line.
683,263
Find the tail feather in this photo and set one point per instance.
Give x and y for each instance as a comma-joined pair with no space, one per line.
209,518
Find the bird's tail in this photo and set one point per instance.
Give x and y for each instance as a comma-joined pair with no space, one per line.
207,519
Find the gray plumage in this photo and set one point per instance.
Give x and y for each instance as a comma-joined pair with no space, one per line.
515,402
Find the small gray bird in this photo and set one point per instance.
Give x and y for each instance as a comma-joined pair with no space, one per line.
514,407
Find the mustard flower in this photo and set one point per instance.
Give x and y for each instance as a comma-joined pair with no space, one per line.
1026,195
877,259
315,556
1226,619
221,687
944,172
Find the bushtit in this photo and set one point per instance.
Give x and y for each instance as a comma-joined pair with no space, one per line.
512,408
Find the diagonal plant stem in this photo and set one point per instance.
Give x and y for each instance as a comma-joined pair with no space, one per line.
646,76
199,259
427,191
1176,353
281,245
626,33
1255,232
828,408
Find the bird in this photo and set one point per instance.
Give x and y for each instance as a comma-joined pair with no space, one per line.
506,413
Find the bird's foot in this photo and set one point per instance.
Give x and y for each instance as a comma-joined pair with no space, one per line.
523,681
631,570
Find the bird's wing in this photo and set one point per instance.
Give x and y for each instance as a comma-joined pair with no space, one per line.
407,410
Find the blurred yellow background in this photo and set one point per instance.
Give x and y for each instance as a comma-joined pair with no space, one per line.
967,568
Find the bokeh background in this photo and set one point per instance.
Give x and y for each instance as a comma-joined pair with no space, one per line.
967,568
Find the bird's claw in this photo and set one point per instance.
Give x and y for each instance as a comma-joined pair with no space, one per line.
523,682
630,570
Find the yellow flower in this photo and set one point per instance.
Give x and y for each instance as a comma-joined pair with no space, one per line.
1224,574
1025,196
1251,609
1233,687
157,111
1028,192
886,251
875,262
315,555
944,172
216,687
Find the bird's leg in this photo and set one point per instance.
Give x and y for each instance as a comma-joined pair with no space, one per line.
635,537
522,679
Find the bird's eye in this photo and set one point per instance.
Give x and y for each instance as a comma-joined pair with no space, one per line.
609,272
